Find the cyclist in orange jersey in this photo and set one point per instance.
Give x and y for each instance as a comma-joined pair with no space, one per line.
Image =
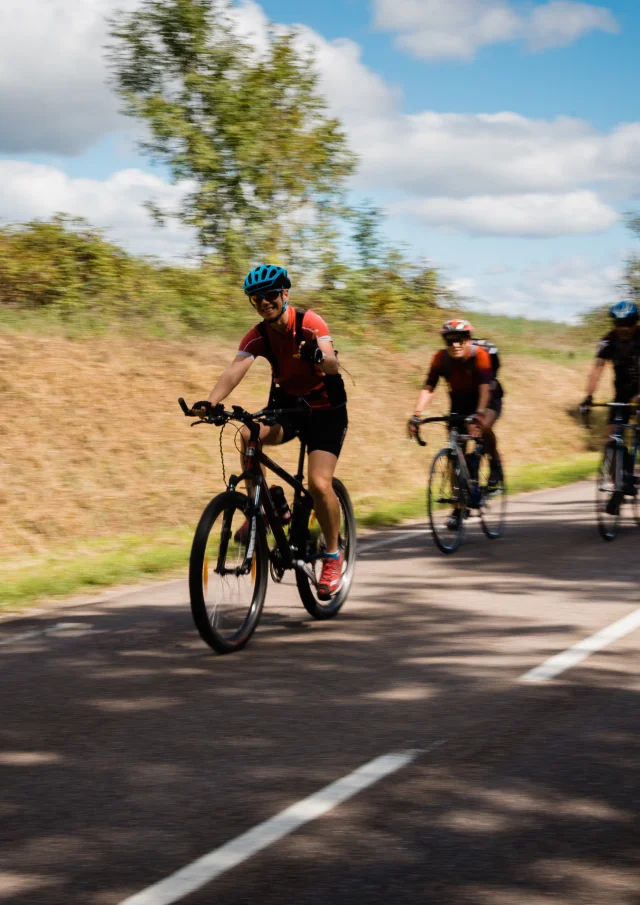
473,387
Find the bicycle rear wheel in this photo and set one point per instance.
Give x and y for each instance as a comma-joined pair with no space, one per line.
493,508
226,586
445,503
313,540
609,495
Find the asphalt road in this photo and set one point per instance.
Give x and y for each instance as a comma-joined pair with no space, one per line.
128,750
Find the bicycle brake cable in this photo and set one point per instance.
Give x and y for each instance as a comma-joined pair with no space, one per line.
224,476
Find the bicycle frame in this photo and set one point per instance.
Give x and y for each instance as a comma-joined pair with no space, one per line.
254,458
617,429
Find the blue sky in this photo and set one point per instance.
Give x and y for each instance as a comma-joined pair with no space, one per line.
501,138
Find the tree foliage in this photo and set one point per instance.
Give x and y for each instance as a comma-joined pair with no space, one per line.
67,270
247,129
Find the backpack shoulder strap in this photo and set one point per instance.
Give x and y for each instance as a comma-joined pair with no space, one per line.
300,313
267,348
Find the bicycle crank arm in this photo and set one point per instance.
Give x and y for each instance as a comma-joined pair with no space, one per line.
308,570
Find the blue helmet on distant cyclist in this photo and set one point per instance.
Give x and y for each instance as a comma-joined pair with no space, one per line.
624,313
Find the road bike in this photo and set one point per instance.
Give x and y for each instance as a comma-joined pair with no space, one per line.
618,476
459,485
232,552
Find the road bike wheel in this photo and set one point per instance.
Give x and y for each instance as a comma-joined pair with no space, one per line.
445,498
493,508
227,589
609,496
347,542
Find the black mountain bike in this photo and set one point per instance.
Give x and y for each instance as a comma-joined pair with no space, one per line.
459,485
232,555
618,476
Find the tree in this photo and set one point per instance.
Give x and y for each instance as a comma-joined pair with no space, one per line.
367,220
248,130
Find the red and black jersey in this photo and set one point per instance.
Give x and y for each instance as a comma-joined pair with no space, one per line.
465,376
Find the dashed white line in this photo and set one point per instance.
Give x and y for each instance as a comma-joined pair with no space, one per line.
220,860
71,629
364,547
579,652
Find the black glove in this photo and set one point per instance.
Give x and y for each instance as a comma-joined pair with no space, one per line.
587,402
211,411
310,351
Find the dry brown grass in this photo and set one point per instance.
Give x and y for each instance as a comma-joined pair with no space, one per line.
94,444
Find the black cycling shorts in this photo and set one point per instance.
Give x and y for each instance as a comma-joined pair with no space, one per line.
324,429
469,405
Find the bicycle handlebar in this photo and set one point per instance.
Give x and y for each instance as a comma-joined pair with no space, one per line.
631,405
237,413
452,416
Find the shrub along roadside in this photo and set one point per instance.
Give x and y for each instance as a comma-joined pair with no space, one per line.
101,564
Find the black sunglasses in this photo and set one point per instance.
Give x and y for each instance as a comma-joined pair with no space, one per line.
269,296
456,338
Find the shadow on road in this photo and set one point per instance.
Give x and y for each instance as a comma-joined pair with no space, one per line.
129,751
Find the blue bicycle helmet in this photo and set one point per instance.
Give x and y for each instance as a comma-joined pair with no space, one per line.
624,313
266,276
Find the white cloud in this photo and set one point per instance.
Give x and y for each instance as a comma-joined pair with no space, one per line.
456,29
35,191
533,215
559,290
472,172
561,22
53,91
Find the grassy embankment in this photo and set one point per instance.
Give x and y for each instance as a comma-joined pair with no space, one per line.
103,479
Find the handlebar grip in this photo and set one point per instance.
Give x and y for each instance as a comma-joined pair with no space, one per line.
183,405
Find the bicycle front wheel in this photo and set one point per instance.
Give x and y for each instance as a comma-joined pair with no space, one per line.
445,503
347,543
493,508
227,583
609,495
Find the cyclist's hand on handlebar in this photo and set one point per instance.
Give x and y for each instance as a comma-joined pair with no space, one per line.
412,427
207,412
586,403
476,423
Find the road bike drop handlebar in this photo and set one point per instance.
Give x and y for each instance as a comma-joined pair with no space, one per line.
237,413
462,419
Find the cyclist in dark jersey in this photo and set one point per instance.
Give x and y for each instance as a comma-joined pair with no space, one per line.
621,346
304,364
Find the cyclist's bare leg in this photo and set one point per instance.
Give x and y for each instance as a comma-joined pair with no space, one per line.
270,435
488,436
322,466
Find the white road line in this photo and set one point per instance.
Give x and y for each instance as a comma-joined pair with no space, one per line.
365,547
74,629
25,636
220,860
579,652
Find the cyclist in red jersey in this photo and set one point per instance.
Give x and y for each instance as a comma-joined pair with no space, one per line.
304,364
473,387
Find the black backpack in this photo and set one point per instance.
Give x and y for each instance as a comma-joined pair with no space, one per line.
333,383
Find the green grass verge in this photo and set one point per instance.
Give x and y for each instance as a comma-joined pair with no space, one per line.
101,564
519,480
